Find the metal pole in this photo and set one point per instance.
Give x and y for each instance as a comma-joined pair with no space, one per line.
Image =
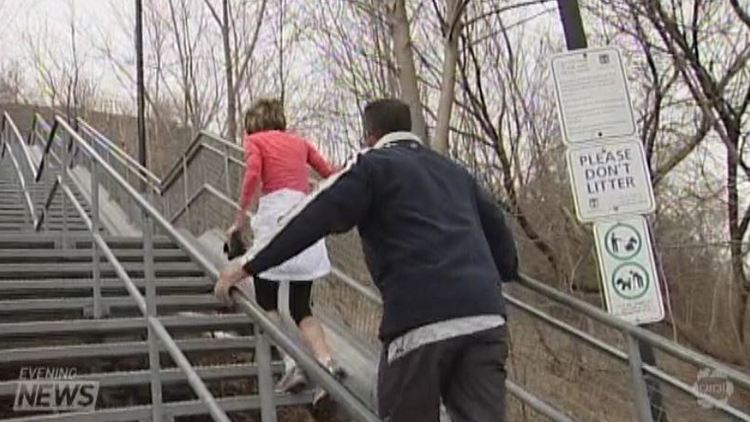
2,143
265,379
140,84
204,395
640,391
226,171
63,183
153,341
94,247
570,15
185,191
575,38
652,384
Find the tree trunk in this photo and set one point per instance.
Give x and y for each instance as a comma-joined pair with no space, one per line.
407,74
736,235
452,28
228,68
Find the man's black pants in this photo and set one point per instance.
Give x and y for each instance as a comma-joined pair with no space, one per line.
467,372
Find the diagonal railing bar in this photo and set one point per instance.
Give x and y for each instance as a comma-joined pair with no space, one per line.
47,148
22,182
50,197
7,125
123,157
624,327
623,356
160,185
7,121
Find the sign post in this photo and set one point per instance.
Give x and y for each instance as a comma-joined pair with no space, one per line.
609,177
587,83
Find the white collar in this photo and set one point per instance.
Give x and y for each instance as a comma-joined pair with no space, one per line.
396,136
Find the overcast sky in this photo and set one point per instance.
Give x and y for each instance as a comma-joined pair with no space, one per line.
49,21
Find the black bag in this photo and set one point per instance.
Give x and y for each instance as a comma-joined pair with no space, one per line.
234,246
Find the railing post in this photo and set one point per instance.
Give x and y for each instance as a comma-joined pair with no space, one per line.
153,341
265,378
63,183
94,247
2,142
640,391
185,191
226,171
658,412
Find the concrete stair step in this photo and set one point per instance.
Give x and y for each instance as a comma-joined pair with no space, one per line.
168,376
108,285
85,255
77,240
32,290
120,349
160,242
188,302
195,322
83,270
175,409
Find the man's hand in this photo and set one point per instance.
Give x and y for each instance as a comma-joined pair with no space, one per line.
228,278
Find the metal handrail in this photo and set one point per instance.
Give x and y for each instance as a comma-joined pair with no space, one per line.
162,184
7,122
625,328
634,330
267,327
123,157
142,304
103,140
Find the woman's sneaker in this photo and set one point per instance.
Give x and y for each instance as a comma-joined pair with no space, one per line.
293,381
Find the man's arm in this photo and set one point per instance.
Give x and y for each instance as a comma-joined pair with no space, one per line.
337,205
499,237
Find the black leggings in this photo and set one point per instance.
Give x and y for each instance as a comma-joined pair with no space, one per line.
267,296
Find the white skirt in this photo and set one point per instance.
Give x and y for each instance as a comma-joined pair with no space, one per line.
309,264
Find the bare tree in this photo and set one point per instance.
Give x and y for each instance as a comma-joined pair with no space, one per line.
59,68
696,60
407,73
234,75
450,28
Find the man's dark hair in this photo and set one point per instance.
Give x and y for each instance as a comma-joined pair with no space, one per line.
386,115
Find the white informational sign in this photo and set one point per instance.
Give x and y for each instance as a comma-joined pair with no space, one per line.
610,179
592,95
629,277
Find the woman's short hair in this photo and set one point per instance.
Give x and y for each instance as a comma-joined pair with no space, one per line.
265,114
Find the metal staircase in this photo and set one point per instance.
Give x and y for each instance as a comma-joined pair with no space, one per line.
136,314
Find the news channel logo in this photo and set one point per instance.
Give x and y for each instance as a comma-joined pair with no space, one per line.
54,389
714,384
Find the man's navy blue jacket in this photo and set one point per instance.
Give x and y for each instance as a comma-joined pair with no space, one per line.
435,243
